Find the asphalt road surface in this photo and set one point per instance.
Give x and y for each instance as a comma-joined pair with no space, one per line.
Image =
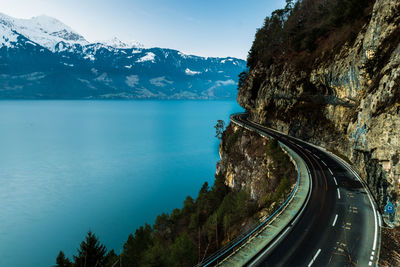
339,226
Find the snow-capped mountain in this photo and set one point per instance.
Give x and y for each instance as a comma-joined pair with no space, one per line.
43,30
43,58
117,43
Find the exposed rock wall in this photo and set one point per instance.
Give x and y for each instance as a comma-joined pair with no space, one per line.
349,103
248,162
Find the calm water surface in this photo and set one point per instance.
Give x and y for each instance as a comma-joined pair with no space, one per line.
109,166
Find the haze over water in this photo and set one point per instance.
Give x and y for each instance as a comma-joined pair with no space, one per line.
109,166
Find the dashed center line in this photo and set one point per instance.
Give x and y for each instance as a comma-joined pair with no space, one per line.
334,179
314,258
316,156
324,163
338,193
334,221
330,171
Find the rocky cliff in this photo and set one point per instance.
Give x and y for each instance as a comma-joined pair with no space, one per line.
348,101
256,164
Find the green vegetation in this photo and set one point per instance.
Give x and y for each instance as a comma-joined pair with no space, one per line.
282,165
282,168
62,261
202,226
219,128
90,253
181,238
305,29
231,139
278,195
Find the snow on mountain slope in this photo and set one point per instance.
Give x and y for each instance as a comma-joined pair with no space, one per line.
48,32
191,72
72,68
148,57
7,36
117,43
43,30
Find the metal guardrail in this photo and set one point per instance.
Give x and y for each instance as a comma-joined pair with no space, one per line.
244,236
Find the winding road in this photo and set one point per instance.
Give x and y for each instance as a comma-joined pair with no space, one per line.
340,226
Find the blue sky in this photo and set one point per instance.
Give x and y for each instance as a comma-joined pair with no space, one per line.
202,27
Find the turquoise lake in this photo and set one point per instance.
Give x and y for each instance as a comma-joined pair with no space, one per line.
108,166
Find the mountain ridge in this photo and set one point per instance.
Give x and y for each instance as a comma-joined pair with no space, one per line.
44,58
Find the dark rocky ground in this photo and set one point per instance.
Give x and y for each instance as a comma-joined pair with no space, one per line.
390,247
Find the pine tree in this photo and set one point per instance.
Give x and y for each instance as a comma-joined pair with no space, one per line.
219,128
62,261
91,252
182,252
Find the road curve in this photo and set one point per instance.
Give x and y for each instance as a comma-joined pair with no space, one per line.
339,226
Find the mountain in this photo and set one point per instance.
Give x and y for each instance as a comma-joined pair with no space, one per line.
43,58
117,43
337,87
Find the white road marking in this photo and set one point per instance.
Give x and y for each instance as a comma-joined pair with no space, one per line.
324,163
347,166
334,179
315,257
380,224
316,156
330,171
338,193
371,258
370,263
334,221
376,223
316,254
373,252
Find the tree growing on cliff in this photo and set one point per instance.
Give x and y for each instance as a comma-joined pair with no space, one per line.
182,252
219,128
304,30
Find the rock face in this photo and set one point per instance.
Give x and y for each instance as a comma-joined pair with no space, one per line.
248,162
349,103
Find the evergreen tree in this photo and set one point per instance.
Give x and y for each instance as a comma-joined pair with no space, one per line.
219,128
62,261
111,259
135,246
91,252
188,205
156,256
182,252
